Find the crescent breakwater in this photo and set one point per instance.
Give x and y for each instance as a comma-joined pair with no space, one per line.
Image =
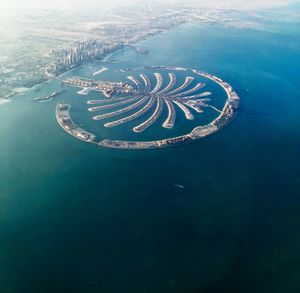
65,121
144,97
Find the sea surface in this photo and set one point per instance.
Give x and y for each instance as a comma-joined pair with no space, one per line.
75,217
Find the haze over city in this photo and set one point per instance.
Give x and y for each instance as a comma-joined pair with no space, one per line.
97,4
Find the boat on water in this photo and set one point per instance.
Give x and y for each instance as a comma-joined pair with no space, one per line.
178,185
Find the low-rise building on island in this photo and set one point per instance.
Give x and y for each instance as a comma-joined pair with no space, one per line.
109,89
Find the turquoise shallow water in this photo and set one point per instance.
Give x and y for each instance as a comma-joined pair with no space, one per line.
77,218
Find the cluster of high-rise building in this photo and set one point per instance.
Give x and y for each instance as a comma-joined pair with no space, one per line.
82,52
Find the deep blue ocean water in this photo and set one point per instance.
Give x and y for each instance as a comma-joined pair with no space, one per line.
78,218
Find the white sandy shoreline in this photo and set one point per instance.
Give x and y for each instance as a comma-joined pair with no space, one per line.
100,71
4,101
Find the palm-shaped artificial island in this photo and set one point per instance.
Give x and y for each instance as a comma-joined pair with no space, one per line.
136,98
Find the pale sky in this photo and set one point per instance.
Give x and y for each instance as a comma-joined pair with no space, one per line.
31,4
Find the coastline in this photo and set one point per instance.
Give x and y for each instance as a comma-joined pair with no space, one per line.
104,60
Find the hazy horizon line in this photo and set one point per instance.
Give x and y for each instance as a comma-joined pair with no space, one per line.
102,4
